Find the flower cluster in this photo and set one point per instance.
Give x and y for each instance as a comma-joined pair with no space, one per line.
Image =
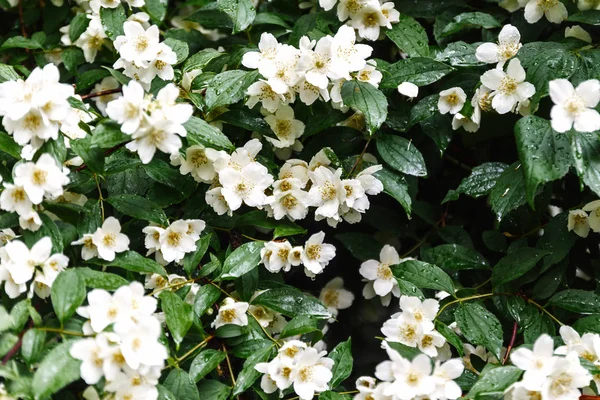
19,265
581,222
554,10
315,70
173,282
548,376
299,366
366,16
403,379
129,356
32,183
174,242
414,327
153,123
314,255
143,56
105,242
36,109
379,277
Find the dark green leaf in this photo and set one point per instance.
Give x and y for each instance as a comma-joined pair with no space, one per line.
395,185
586,154
291,302
205,298
77,26
401,155
362,246
179,47
56,371
101,280
516,264
228,87
409,36
67,293
495,381
201,59
480,327
366,98
241,12
455,256
576,300
112,21
9,146
200,132
424,275
132,261
33,345
248,375
342,368
470,20
509,191
481,181
178,314
242,260
418,70
205,362
299,325
138,207
213,390
181,385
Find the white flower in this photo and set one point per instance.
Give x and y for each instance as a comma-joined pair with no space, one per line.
412,378
262,91
53,266
346,55
316,63
451,100
368,21
419,310
370,74
214,198
14,198
292,202
469,124
139,342
554,10
286,128
275,256
30,221
264,59
90,352
157,133
575,107
594,218
312,373
11,288
565,379
578,32
199,162
408,89
43,178
509,88
444,374
109,240
310,93
92,39
578,222
518,391
327,191
138,45
175,242
23,260
128,110
284,73
430,342
509,43
247,185
588,5
89,249
381,280
335,297
537,363
231,312
316,254
104,309
405,330
586,346
161,66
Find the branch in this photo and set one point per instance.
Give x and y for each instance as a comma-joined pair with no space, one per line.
21,19
102,93
511,343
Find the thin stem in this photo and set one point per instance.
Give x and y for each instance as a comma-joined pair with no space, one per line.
219,287
264,330
22,20
101,93
100,198
173,285
360,157
62,331
511,343
228,364
191,351
13,350
543,309
251,238
478,296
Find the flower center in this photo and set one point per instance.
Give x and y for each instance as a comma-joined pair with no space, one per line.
289,201
173,239
283,253
285,186
452,99
561,385
574,105
328,191
508,85
407,332
32,122
547,4
136,344
198,159
412,378
371,20
141,43
18,195
426,341
109,239
159,64
306,374
331,298
283,127
384,272
313,251
228,315
39,176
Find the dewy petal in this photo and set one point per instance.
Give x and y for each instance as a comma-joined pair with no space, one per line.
522,358
389,255
560,90
562,121
587,121
525,90
533,13
589,91
557,14
509,35
543,346
515,70
487,53
503,104
492,78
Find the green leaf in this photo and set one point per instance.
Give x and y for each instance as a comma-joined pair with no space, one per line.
72,58
201,59
56,371
424,275
494,381
590,17
87,79
242,260
6,321
165,174
241,12
409,36
181,385
481,181
205,298
20,42
132,261
459,54
259,218
113,20
180,48
248,375
77,26
450,336
329,395
8,73
509,192
588,324
576,300
200,132
418,70
342,368
396,186
470,20
33,345
9,146
191,261
300,325
366,98
92,156
266,18
361,245
401,155
291,302
516,264
480,327
228,87
101,280
405,351
544,153
67,293
455,257
586,154
178,314
138,207
213,390
157,10
205,362
7,342
108,134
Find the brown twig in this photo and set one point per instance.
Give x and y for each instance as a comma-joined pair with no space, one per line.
101,93
21,19
511,343
13,351
360,157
